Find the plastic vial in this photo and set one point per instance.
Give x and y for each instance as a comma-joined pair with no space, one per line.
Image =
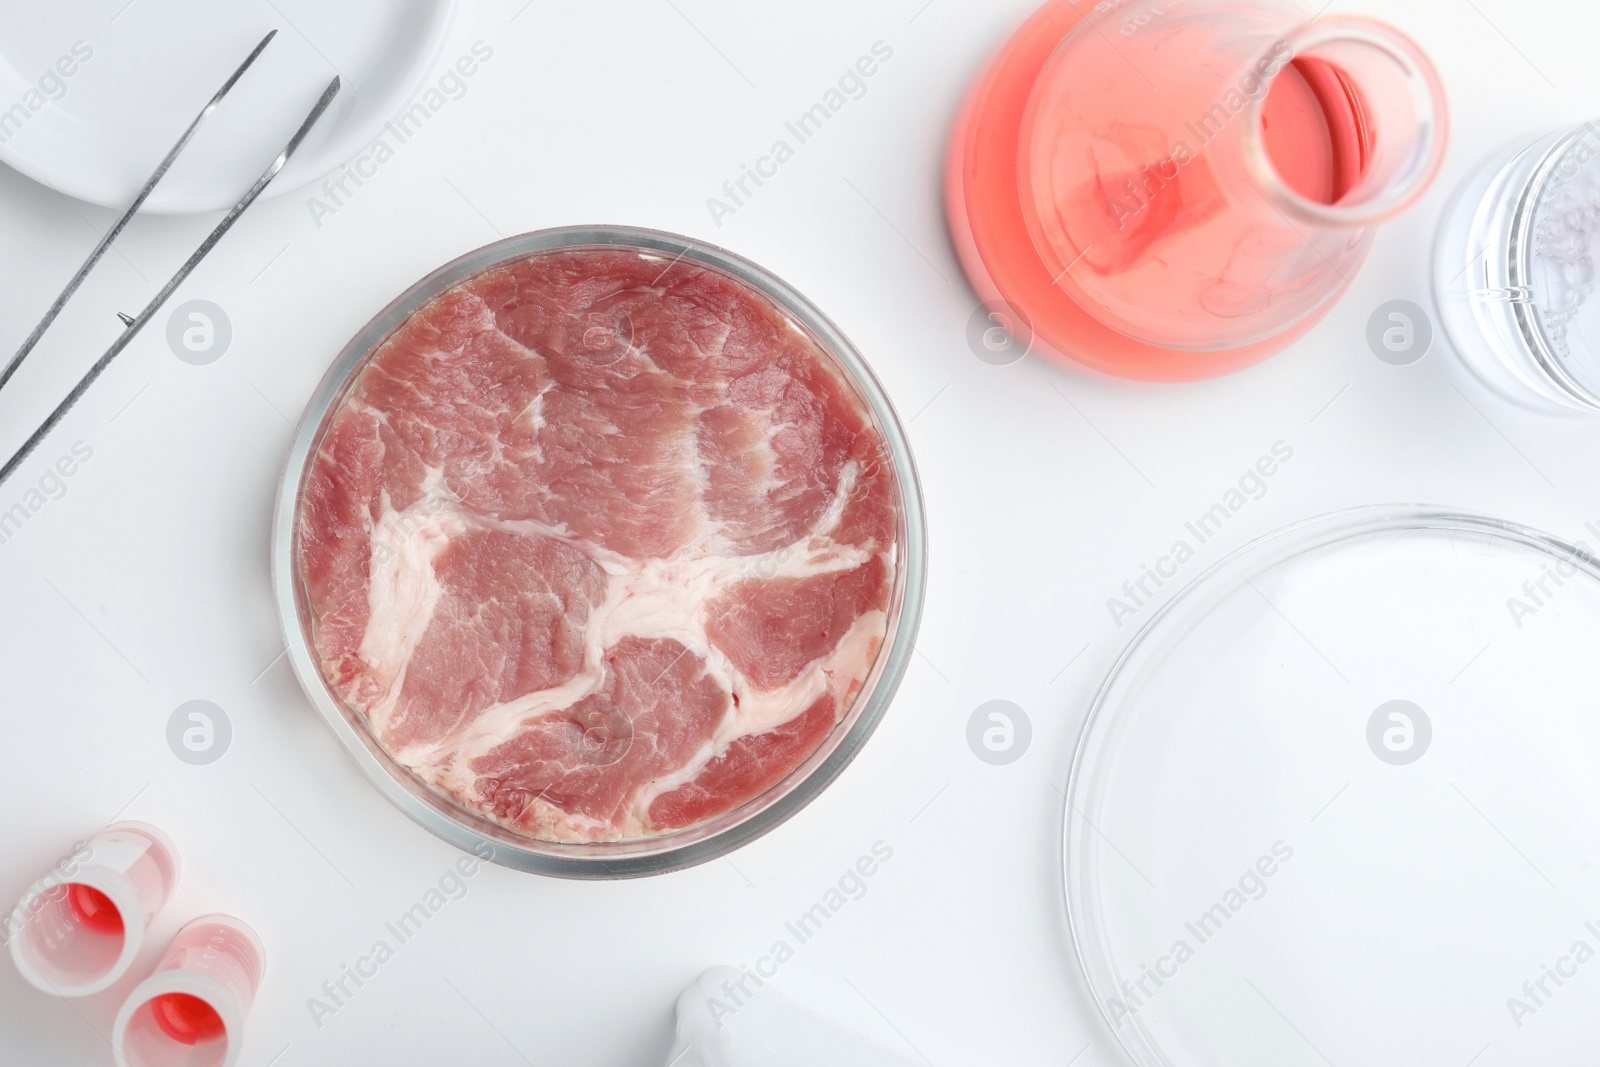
78,929
190,1012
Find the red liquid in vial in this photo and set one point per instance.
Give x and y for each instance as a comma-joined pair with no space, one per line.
186,1019
94,909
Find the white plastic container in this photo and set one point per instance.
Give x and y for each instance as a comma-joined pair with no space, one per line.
190,1012
731,1018
78,929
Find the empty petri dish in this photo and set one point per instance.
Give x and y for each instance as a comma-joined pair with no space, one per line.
1514,270
1337,804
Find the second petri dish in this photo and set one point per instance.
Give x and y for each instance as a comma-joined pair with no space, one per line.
1337,804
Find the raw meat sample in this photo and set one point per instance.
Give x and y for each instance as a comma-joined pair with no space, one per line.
600,545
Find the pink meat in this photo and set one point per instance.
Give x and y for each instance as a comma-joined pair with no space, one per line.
510,622
773,628
655,710
335,541
751,766
547,439
774,450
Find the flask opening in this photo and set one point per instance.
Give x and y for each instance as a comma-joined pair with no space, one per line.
1352,130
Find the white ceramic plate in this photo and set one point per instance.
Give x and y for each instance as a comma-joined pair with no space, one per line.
94,92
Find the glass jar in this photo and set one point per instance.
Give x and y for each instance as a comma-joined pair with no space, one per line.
1514,270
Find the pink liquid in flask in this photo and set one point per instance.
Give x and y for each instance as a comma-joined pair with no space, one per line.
1314,126
1173,192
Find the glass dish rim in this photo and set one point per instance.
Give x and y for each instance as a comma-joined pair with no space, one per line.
636,857
1090,945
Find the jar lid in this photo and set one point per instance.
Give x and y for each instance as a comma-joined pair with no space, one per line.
1338,801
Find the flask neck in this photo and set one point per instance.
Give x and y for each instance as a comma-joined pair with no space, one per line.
1349,129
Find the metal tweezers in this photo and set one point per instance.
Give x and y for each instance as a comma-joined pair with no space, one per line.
133,326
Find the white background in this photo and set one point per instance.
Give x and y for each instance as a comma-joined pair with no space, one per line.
146,585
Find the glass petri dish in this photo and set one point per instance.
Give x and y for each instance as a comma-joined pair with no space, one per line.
636,856
1515,270
1337,804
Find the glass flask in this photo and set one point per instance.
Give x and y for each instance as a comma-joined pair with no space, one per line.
1175,191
